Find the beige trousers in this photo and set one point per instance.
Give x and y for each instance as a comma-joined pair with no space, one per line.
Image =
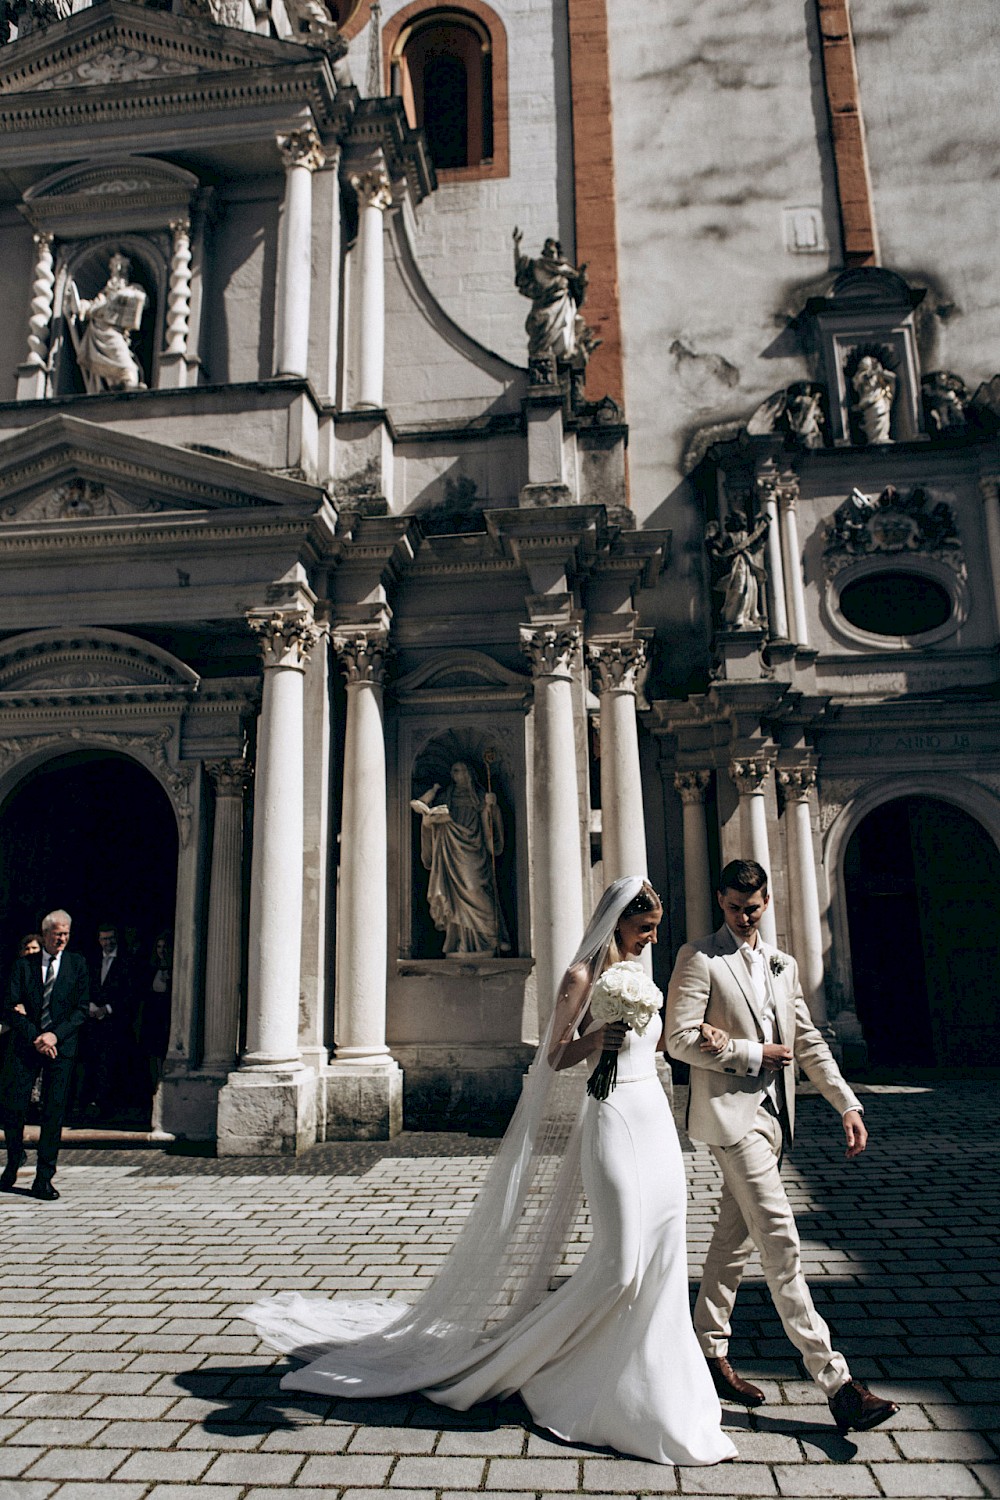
755,1211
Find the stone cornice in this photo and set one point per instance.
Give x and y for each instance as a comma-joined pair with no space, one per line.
383,123
196,529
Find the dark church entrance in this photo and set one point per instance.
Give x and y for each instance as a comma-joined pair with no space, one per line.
95,834
923,881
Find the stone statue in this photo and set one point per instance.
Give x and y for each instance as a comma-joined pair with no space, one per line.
874,392
102,328
461,837
554,326
804,414
738,552
945,400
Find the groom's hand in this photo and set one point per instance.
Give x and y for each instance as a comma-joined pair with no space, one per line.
776,1056
857,1135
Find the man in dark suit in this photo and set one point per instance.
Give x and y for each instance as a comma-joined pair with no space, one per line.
103,1044
47,1003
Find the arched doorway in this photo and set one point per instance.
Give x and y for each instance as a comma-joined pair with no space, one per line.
921,878
93,833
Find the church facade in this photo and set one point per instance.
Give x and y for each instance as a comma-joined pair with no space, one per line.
352,634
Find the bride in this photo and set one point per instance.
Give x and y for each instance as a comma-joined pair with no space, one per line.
609,1358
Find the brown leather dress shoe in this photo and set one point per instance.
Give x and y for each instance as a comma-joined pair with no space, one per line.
855,1408
732,1387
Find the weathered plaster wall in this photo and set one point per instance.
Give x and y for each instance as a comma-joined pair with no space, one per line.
240,311
463,231
928,88
718,127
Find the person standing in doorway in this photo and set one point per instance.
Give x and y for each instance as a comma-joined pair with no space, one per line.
106,1038
46,1005
742,1104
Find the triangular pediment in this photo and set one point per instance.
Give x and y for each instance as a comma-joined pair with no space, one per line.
119,44
64,470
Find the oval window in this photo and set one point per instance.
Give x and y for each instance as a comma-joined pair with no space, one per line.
896,604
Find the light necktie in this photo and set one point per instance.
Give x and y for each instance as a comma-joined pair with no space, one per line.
47,988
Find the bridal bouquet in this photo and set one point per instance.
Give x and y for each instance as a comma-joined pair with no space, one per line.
622,993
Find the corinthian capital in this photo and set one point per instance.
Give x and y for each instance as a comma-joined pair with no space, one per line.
229,777
797,781
550,648
373,188
363,655
691,785
302,148
749,774
286,637
615,664
787,490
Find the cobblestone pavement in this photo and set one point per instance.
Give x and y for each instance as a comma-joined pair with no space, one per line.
126,1374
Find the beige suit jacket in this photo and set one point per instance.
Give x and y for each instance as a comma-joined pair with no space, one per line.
710,983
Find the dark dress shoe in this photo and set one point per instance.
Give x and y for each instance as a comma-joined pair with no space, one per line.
856,1409
43,1190
8,1177
732,1387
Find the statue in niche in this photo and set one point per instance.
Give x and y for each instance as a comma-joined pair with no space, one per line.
101,329
557,334
874,392
804,414
736,552
945,399
461,839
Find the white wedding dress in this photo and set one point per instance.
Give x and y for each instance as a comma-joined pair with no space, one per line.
610,1358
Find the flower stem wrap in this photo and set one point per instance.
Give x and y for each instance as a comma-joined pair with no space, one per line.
622,993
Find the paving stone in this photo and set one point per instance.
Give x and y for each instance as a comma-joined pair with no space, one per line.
729,1479
617,1476
78,1463
345,1469
966,1446
253,1468
441,1473
168,1465
926,1479
395,1440
988,1476
14,1461
25,1489
840,1480
85,1490
311,1438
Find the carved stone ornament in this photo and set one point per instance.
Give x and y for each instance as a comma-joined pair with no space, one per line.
798,411
119,64
302,148
148,748
797,782
946,398
550,649
616,664
230,778
893,524
80,499
736,553
691,786
373,188
836,793
363,656
749,774
286,637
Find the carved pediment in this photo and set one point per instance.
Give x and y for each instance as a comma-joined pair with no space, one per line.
59,663
461,676
80,499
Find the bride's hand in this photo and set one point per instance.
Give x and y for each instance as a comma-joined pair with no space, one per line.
613,1036
714,1040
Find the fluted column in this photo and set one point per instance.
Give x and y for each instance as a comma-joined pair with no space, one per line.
286,637
362,928
700,911
989,488
302,155
767,496
795,598
224,936
615,666
558,916
803,891
374,192
749,776
32,377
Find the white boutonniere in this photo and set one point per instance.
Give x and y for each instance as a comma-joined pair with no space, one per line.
778,964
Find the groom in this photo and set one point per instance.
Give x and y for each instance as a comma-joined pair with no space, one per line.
742,1103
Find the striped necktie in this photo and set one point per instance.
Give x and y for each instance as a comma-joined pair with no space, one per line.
47,988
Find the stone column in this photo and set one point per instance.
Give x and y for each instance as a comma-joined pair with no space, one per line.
749,775
224,937
803,890
268,1107
700,909
302,155
990,490
557,886
173,362
364,1083
615,665
32,377
788,494
374,192
767,492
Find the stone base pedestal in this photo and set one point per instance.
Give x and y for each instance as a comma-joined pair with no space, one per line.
187,1105
364,1102
267,1114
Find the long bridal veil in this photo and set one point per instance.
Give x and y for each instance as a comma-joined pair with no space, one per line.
507,1251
